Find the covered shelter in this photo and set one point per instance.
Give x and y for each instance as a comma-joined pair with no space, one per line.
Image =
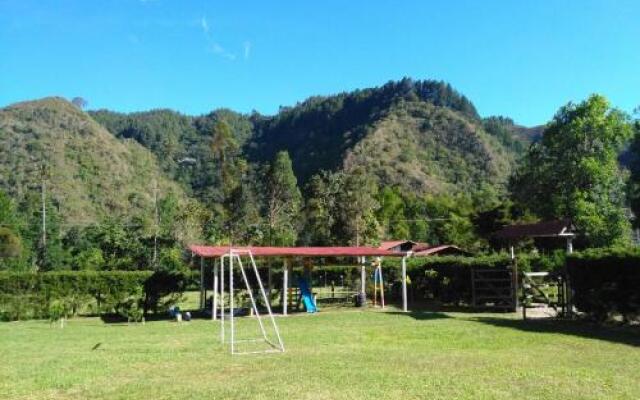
561,228
400,245
289,253
421,249
439,250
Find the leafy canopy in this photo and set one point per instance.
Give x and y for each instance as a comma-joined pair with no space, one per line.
573,172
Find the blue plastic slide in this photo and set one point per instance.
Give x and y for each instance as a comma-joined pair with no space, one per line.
307,296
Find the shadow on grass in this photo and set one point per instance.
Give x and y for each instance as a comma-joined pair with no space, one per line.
421,315
150,317
624,335
432,306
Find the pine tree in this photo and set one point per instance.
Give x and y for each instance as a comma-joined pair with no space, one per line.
283,201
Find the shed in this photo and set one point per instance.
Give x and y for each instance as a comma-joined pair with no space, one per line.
561,228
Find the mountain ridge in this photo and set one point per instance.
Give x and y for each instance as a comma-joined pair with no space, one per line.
420,136
89,173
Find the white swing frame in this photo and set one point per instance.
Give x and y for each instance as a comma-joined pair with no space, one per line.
236,254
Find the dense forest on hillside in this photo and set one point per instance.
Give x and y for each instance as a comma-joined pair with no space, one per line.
57,154
409,159
318,132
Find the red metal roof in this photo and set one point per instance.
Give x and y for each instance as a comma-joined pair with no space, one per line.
257,251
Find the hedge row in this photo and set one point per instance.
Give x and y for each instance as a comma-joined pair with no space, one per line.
443,278
448,278
606,282
56,294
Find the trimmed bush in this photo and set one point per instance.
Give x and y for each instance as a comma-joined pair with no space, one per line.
443,278
448,278
39,295
606,282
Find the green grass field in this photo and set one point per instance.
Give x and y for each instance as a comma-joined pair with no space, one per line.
344,354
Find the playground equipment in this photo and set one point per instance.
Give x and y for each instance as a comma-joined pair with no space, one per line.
307,296
234,257
378,283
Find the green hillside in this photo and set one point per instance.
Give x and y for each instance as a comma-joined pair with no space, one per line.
420,135
406,159
181,143
425,148
320,131
89,173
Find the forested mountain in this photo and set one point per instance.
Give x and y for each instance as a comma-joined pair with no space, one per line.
421,135
514,137
320,131
107,200
406,159
411,138
89,173
181,143
429,149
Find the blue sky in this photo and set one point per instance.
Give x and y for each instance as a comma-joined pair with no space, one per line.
514,58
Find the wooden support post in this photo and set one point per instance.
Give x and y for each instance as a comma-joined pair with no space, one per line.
202,283
214,303
285,286
363,280
375,286
222,299
404,284
231,305
381,283
515,279
269,284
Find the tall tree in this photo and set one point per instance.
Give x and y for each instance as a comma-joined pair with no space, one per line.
283,201
573,172
224,146
356,207
634,166
10,241
320,209
244,221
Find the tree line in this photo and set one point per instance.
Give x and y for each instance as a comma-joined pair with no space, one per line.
573,171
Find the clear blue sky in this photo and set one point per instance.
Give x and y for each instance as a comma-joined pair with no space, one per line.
515,58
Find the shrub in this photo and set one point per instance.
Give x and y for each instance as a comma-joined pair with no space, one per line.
130,307
59,310
41,295
162,289
606,282
444,278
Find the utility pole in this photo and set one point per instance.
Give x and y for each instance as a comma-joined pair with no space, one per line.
156,223
43,196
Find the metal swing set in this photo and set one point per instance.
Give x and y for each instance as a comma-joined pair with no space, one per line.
231,259
235,255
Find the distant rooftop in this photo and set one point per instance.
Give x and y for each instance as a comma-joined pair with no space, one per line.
420,248
555,228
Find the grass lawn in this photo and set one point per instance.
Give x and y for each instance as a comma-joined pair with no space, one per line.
346,354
